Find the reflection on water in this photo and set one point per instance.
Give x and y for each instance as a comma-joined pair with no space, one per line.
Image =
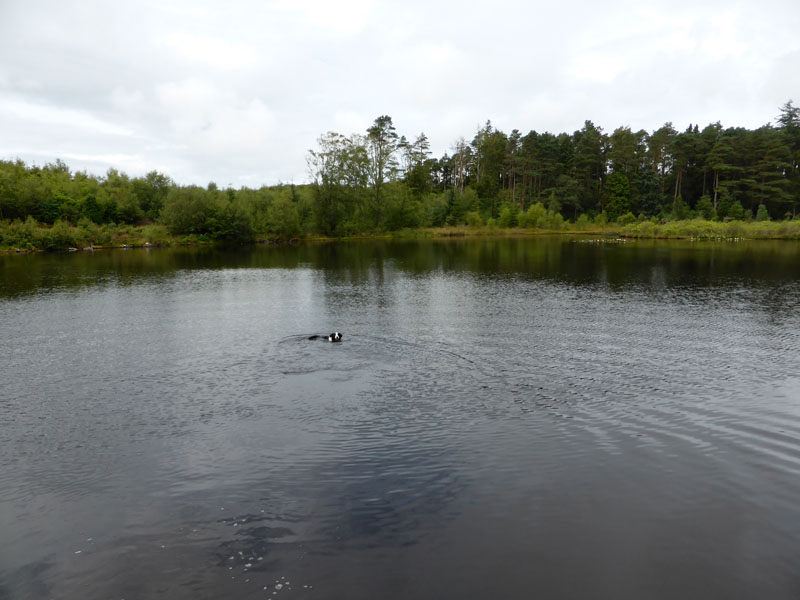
504,418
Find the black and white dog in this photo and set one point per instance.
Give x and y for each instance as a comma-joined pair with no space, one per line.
334,337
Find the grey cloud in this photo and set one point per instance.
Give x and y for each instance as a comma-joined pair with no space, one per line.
238,93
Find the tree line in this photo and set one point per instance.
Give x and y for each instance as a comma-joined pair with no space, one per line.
379,180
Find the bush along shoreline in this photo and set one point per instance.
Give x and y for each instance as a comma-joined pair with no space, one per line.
32,236
21,237
714,230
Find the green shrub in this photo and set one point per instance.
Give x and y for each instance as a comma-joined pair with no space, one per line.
474,219
436,210
734,229
21,235
232,223
583,222
680,210
464,202
705,209
535,216
156,235
282,217
627,218
554,220
646,229
190,210
736,211
508,215
128,209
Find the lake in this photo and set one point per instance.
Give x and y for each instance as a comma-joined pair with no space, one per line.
542,417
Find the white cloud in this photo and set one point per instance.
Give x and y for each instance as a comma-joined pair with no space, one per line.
347,17
240,91
125,99
723,39
349,121
212,120
184,11
595,67
31,113
211,51
126,162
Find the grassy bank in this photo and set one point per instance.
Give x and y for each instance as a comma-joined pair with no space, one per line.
18,236
688,229
714,230
30,236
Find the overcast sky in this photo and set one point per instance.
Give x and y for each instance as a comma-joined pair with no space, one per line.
236,92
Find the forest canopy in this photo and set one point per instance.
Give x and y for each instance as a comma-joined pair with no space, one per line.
380,180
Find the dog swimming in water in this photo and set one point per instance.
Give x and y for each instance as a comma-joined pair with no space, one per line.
334,337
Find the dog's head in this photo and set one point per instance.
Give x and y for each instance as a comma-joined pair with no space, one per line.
335,337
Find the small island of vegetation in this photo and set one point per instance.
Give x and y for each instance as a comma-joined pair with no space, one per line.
715,183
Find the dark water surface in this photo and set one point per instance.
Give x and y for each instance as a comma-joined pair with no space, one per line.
521,418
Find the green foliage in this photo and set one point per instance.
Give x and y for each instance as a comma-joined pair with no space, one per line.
93,234
473,219
534,217
617,195
49,209
463,202
583,223
71,209
156,235
646,229
189,210
381,145
508,215
538,217
554,221
283,218
489,156
207,212
567,191
378,181
92,209
128,209
417,166
705,208
304,201
736,211
403,208
341,169
231,223
151,191
681,210
553,203
715,230
21,235
59,236
437,209
723,205
627,218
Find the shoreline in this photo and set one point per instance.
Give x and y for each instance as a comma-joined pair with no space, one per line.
155,236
